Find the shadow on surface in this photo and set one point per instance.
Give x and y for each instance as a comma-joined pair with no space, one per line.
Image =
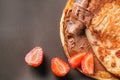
43,68
67,77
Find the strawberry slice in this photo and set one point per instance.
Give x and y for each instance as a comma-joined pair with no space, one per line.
59,67
35,57
75,60
87,64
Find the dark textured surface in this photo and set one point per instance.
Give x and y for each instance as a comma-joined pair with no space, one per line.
25,24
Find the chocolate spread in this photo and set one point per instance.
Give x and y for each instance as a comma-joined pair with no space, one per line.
76,20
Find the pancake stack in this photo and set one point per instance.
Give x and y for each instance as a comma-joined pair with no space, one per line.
93,26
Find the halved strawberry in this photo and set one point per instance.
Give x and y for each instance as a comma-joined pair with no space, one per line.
87,64
35,57
59,67
75,60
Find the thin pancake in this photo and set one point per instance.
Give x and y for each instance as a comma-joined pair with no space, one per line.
104,36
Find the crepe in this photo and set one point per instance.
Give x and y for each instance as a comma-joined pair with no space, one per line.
76,18
104,36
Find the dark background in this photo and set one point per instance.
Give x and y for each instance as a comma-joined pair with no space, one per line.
25,24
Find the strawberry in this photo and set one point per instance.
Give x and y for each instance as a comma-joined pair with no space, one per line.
59,67
75,60
35,57
87,64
